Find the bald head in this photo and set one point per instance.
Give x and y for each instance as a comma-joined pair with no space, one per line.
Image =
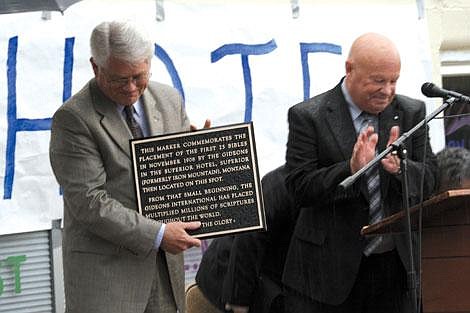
372,70
373,47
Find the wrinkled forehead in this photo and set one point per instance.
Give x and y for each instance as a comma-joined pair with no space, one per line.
379,67
122,67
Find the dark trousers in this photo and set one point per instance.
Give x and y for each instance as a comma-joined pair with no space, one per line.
380,287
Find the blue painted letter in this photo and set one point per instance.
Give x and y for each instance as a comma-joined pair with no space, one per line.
305,49
244,51
21,124
165,58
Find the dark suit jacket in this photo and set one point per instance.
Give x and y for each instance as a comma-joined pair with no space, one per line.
326,247
109,258
246,269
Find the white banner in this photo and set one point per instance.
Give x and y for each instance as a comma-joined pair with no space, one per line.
233,61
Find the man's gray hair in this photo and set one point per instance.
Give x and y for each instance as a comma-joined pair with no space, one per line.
454,167
121,40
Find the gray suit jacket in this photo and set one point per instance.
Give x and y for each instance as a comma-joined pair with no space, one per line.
326,247
109,260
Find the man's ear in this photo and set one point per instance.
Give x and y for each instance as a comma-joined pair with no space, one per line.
348,67
94,66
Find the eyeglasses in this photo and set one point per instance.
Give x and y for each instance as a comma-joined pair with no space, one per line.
124,81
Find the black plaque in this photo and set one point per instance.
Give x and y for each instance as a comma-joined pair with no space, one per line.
210,175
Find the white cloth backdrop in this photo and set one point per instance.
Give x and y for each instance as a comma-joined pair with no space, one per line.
199,50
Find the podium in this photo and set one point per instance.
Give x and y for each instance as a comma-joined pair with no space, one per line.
445,258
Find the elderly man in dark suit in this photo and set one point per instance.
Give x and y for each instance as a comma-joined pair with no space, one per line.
116,260
329,266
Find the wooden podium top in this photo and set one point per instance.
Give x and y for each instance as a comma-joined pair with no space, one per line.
431,208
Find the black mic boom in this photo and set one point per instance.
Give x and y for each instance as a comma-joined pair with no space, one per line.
432,91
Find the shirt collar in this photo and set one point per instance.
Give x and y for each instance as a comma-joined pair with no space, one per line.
138,108
353,108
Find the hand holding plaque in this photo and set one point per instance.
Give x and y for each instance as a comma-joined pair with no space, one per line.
176,238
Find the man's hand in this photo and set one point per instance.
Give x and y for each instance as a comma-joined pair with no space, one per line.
176,239
391,162
236,308
207,124
364,149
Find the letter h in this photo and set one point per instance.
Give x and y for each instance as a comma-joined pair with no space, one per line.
22,124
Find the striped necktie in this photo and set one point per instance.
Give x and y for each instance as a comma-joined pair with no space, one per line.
373,186
375,210
132,123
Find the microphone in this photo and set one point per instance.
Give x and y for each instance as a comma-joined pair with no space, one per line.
432,91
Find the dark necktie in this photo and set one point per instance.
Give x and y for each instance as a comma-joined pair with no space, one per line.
375,210
132,123
373,186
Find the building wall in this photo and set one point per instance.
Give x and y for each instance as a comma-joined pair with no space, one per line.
449,35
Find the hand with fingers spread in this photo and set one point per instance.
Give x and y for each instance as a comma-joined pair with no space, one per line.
391,163
364,149
176,239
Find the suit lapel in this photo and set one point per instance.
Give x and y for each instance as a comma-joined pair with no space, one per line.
340,123
154,116
111,121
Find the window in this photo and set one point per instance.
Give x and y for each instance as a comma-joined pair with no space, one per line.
456,77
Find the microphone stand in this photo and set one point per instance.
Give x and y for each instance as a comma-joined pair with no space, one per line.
397,147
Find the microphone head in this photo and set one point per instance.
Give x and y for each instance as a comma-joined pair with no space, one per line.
431,90
426,87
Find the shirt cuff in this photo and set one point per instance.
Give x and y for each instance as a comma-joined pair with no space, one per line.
159,237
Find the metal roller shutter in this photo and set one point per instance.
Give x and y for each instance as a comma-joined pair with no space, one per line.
26,273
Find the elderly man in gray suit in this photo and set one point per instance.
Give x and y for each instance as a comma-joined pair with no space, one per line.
116,260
